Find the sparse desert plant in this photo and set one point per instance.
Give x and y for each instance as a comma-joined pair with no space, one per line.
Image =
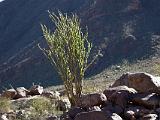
5,105
37,108
41,107
68,50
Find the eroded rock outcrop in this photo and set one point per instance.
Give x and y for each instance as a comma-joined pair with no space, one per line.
134,96
90,100
142,82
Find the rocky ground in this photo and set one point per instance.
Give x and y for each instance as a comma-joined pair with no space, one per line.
134,96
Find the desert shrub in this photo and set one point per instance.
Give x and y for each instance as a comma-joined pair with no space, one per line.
40,107
5,105
68,50
37,109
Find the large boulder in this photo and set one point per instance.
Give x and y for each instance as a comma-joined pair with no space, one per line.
120,95
90,100
142,82
21,92
151,100
36,90
109,91
10,93
97,115
120,98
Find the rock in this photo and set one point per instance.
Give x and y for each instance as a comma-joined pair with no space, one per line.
52,118
62,105
115,116
65,116
158,111
94,108
11,115
120,98
118,67
4,117
147,100
74,111
150,117
109,91
134,112
130,115
20,113
10,93
112,108
90,100
50,94
100,115
36,90
92,115
21,92
142,82
62,93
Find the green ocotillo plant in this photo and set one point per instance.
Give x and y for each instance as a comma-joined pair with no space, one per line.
68,50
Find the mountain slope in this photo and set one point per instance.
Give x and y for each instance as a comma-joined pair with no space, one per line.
122,29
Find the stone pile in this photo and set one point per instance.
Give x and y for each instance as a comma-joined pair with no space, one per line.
22,92
134,96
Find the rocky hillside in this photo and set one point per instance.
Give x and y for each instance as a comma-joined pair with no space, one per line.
122,29
133,96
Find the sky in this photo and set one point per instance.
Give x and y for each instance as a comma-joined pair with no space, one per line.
1,0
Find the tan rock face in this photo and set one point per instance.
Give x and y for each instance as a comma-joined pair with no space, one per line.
142,82
91,100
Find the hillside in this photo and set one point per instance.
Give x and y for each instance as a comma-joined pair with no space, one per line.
122,29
